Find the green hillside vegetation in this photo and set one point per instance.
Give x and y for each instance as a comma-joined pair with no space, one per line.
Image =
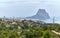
28,29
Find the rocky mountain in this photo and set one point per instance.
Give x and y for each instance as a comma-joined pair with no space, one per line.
41,15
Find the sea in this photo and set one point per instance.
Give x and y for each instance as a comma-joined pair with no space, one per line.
51,20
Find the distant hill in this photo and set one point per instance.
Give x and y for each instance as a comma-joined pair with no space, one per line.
41,15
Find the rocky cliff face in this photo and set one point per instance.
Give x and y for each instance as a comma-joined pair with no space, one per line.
41,15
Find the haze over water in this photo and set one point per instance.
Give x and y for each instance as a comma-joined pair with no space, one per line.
25,8
57,20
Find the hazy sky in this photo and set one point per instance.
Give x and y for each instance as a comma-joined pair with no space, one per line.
24,8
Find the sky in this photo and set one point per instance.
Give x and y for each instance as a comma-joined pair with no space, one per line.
25,8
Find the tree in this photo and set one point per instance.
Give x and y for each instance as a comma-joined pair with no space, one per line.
30,33
47,34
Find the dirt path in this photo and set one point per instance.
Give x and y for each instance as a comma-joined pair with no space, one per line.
56,32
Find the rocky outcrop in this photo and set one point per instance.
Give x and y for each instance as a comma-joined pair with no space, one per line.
41,15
